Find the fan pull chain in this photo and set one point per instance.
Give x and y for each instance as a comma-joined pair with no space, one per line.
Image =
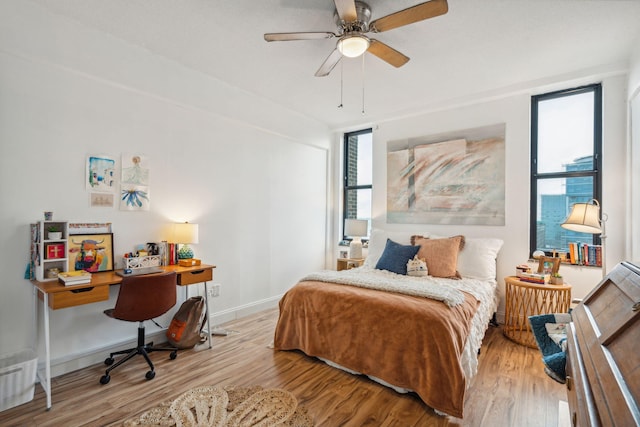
341,85
363,85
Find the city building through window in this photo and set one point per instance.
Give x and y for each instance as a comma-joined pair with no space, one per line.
566,165
358,176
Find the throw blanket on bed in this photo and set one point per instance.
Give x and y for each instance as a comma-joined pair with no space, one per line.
438,289
408,341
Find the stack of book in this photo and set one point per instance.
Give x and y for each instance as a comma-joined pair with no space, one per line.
168,252
74,277
540,279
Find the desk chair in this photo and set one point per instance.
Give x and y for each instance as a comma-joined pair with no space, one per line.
142,298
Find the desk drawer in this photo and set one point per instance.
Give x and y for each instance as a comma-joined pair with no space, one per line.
79,296
197,276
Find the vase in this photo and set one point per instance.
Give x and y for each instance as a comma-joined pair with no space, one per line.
54,235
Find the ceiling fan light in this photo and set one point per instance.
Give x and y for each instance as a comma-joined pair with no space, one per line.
353,46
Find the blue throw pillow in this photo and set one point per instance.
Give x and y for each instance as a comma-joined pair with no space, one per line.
395,256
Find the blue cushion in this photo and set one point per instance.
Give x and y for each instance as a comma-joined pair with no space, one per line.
553,357
546,345
395,256
555,366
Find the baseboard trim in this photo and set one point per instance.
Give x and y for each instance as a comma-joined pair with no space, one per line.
73,362
238,312
79,360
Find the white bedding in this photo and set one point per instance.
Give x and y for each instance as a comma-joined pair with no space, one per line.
382,280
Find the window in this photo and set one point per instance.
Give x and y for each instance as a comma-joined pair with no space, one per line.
566,163
358,175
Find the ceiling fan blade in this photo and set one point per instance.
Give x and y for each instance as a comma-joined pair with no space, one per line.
281,37
346,10
329,63
408,16
387,54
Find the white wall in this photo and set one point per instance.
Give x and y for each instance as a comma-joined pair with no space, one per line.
633,211
253,175
514,111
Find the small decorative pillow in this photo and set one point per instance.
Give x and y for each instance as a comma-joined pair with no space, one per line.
441,255
395,256
417,267
558,333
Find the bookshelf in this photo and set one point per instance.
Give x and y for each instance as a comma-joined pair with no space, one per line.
584,254
49,254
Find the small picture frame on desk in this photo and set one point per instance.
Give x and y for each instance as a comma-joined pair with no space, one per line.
548,265
55,251
91,252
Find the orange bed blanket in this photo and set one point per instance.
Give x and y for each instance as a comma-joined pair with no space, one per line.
408,341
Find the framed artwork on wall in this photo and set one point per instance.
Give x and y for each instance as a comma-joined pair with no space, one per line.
456,177
91,252
101,173
101,200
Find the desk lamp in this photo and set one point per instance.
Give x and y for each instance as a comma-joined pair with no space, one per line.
585,218
356,228
185,234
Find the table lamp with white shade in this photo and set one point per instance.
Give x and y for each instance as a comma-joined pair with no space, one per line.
586,218
355,228
185,234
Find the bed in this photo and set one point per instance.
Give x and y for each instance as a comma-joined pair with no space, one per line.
411,333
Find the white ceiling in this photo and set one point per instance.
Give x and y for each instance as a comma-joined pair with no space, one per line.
478,47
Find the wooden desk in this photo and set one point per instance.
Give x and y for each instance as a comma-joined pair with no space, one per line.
523,299
57,296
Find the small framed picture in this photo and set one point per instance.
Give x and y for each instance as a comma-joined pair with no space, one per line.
548,265
91,252
55,251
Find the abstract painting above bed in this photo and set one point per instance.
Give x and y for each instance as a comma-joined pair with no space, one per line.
418,334
452,178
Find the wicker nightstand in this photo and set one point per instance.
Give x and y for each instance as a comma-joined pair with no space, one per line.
523,299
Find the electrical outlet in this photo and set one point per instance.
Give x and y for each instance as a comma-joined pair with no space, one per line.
214,290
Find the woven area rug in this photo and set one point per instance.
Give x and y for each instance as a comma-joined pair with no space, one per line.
227,407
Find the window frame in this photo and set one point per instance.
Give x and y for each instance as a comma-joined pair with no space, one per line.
595,173
345,175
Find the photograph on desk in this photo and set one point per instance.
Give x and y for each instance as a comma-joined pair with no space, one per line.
91,252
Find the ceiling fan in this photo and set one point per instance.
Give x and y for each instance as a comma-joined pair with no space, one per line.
352,18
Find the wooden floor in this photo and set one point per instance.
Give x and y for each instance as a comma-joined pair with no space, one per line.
510,389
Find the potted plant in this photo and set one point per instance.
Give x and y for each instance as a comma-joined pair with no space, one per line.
54,232
556,279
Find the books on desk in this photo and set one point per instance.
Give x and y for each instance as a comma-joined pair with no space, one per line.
74,277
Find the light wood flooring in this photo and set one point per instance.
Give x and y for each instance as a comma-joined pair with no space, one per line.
510,389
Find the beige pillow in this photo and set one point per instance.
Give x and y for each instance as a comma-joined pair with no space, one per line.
441,255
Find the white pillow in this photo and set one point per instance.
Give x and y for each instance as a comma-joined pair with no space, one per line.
477,259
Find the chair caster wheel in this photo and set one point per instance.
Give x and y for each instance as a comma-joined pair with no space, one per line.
173,355
108,361
150,375
105,379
